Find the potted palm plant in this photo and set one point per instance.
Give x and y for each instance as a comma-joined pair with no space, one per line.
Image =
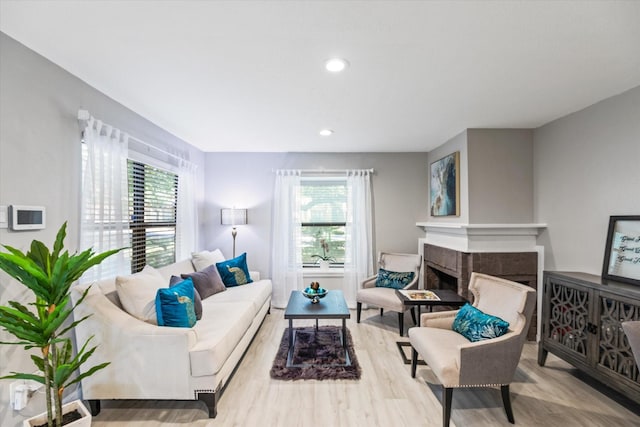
49,274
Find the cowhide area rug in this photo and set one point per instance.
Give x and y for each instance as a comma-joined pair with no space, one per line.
317,355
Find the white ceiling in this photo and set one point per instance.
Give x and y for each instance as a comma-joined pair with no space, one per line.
249,76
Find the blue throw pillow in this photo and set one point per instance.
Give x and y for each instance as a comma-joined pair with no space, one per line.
234,271
197,301
393,279
175,305
475,325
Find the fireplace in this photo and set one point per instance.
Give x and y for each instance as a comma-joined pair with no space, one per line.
446,268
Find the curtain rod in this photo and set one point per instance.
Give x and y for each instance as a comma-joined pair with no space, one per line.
84,116
320,171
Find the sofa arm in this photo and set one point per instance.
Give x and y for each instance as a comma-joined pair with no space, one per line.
146,361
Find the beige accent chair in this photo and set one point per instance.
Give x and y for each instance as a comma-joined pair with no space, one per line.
456,361
386,298
632,331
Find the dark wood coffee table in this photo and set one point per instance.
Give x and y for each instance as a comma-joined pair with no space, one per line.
446,298
332,306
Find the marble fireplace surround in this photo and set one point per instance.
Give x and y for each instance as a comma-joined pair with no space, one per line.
451,251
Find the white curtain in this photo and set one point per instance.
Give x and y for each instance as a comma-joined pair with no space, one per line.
187,215
358,263
287,230
104,207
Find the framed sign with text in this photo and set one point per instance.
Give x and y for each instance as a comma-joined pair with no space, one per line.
622,253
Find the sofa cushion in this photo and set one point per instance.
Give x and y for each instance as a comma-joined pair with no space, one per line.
257,292
207,281
175,305
137,293
222,328
234,272
204,259
393,279
197,301
476,325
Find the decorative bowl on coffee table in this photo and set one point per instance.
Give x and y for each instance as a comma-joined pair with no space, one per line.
315,294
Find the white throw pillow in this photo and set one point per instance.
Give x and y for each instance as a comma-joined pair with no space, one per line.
137,293
204,259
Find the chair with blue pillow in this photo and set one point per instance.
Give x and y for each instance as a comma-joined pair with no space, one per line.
396,271
480,344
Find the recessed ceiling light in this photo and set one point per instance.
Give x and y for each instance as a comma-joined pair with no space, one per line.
326,132
335,65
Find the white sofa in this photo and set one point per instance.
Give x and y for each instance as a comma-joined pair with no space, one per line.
158,362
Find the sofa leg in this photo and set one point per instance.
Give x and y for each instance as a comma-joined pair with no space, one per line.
94,407
358,310
447,395
506,399
381,312
209,399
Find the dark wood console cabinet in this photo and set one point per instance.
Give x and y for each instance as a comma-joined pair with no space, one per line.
581,316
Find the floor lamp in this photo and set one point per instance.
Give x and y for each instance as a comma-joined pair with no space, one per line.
233,217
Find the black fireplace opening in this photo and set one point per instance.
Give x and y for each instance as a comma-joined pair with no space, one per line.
442,280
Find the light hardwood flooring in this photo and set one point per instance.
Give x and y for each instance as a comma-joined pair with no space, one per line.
386,395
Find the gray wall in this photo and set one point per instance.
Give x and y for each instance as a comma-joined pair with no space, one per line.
500,175
496,175
246,180
586,168
40,164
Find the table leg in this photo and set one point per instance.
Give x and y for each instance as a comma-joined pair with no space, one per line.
344,334
419,309
316,325
290,334
290,352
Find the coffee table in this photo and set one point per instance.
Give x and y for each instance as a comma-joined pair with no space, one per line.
332,306
446,297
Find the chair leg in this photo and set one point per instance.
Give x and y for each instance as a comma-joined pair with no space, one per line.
381,312
401,323
506,399
358,310
414,362
413,315
447,394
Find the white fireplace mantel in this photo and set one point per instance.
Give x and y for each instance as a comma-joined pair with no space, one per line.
482,237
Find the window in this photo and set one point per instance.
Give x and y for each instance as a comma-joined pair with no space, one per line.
323,214
153,196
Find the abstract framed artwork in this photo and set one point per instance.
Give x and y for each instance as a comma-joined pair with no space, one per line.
445,186
622,252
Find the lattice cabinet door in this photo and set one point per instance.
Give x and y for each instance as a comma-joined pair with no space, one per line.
614,355
566,319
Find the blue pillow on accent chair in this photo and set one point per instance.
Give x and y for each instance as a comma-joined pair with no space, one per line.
393,279
234,271
175,305
475,325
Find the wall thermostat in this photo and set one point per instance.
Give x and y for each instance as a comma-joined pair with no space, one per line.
27,217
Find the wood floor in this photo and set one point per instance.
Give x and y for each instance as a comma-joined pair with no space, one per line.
386,395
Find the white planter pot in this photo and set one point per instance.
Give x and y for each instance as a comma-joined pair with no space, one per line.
85,421
324,265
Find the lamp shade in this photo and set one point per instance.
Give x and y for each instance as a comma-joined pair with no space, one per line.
233,216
